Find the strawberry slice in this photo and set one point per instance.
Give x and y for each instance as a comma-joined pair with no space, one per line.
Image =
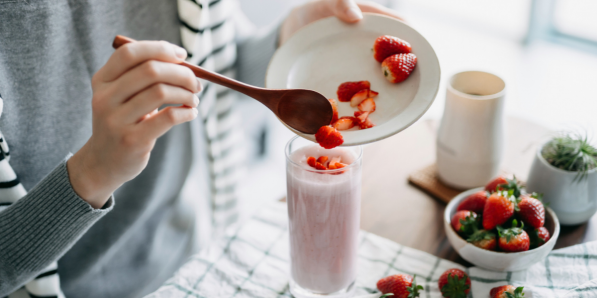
334,160
397,68
368,105
361,116
311,161
358,97
366,124
345,123
322,160
319,166
335,109
363,119
348,89
328,137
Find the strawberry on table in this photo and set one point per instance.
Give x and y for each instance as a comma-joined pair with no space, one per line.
358,97
345,123
386,45
531,211
397,68
348,89
335,110
368,105
499,207
454,283
514,239
460,218
401,285
539,236
474,202
328,137
507,291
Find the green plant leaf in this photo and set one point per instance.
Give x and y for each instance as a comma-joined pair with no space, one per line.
571,152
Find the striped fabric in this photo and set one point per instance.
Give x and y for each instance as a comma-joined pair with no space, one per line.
253,261
47,283
208,34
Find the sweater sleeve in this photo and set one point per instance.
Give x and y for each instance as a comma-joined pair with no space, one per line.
41,227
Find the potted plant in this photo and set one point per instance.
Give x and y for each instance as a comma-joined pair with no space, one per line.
565,171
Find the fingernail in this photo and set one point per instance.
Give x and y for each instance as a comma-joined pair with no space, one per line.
180,52
354,13
195,112
195,100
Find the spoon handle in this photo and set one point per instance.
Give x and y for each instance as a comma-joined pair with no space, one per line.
205,74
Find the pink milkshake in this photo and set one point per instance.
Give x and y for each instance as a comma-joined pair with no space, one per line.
324,213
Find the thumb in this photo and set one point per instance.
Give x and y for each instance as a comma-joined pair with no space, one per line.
346,10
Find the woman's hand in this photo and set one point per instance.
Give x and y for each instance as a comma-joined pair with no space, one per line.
348,11
138,78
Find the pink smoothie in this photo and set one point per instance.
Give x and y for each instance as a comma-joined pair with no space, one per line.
324,213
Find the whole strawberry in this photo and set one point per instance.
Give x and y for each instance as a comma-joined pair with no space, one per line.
397,68
401,285
460,217
502,183
514,239
508,291
386,46
483,239
493,184
531,211
454,283
499,207
539,236
328,137
474,202
348,89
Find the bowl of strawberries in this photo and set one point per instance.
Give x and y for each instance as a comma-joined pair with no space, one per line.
501,227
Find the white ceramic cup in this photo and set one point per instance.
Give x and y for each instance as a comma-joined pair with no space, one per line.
573,200
470,139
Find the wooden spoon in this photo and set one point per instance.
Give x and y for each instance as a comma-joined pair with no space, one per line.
302,109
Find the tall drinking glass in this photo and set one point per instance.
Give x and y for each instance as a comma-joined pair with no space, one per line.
324,214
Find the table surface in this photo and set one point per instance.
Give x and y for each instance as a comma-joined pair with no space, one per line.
394,209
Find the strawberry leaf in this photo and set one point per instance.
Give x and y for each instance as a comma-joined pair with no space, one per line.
517,293
469,224
511,232
386,295
413,290
456,287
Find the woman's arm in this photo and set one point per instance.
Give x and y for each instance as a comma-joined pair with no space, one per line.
40,227
127,92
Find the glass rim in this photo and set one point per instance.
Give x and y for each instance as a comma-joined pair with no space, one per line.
353,164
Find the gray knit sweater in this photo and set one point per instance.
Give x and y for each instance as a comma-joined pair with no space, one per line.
48,52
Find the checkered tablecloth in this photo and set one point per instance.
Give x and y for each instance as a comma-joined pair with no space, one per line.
252,260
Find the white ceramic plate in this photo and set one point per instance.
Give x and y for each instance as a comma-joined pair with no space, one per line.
329,52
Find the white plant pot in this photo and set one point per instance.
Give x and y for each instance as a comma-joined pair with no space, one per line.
574,201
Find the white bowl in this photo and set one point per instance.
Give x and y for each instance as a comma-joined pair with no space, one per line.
493,260
326,53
